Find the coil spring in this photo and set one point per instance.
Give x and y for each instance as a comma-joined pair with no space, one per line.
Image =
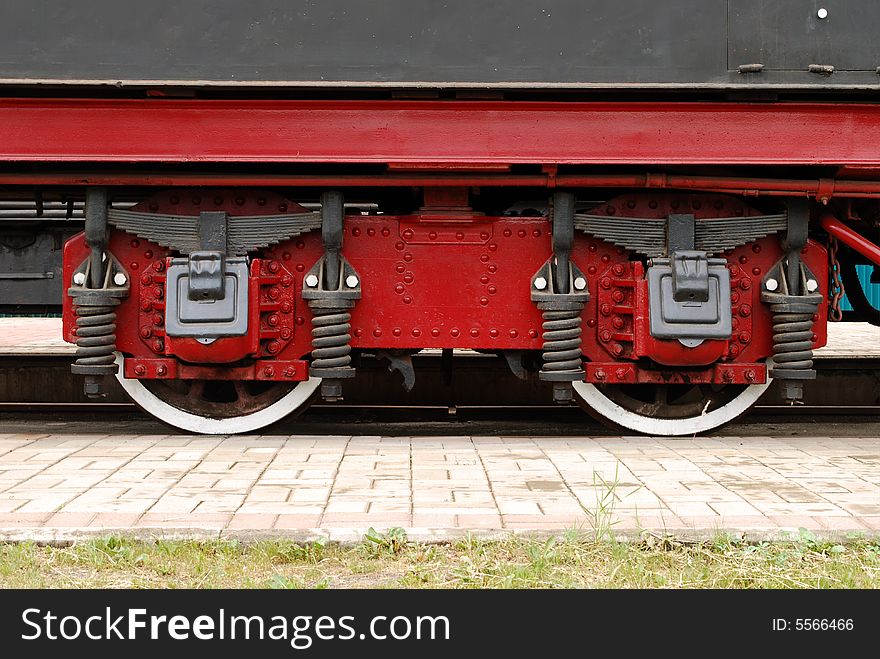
562,340
331,339
95,335
792,341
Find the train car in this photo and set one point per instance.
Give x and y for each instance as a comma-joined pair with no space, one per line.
654,207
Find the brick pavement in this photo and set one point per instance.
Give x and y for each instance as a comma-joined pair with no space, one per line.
63,486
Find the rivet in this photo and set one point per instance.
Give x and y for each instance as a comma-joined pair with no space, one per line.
399,246
493,333
507,233
135,243
492,290
433,235
408,278
475,332
300,320
396,331
743,259
408,234
407,299
300,244
371,231
459,235
605,258
492,268
591,322
417,332
386,231
513,333
435,332
734,270
358,332
484,301
756,249
750,375
592,270
592,247
357,232
455,331
521,233
399,289
135,265
400,267
282,207
533,333
484,279
146,305
493,247
300,267
407,257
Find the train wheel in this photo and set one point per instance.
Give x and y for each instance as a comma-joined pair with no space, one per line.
668,409
218,407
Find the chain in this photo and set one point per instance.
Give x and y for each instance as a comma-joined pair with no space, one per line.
837,291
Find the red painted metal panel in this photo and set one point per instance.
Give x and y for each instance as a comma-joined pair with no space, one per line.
442,132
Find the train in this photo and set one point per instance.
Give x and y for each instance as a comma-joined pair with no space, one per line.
653,208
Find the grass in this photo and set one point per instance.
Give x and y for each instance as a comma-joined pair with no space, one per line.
389,560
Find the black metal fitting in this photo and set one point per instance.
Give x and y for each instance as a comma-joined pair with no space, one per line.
559,289
794,295
331,288
98,286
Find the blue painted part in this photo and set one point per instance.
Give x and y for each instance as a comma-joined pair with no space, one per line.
872,291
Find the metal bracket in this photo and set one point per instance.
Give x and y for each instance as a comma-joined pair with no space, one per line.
690,276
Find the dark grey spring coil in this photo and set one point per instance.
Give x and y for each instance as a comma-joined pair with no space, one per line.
562,341
95,337
331,341
792,339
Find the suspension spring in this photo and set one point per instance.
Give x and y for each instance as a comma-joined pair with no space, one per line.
792,341
95,337
562,341
331,340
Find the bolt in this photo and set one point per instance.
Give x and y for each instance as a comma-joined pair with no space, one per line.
580,283
744,337
272,320
605,309
274,292
618,269
600,374
79,278
161,370
146,332
617,296
620,373
268,371
617,349
286,333
312,281
140,370
119,279
605,336
727,375
745,284
147,279
617,322
273,347
289,372
286,281
750,375
812,285
745,310
351,281
540,283
158,345
286,307
733,350
606,282
822,13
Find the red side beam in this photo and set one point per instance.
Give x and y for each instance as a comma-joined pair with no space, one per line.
452,132
851,238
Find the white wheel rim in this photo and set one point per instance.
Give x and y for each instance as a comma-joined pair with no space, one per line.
158,408
610,410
